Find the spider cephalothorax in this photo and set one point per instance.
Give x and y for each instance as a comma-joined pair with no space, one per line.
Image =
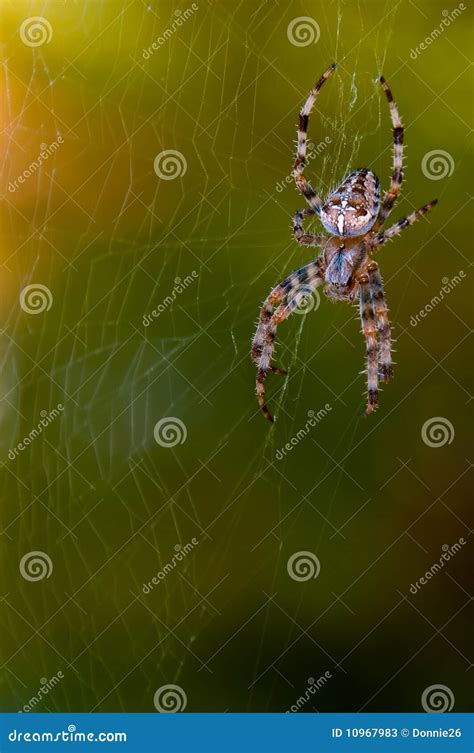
353,214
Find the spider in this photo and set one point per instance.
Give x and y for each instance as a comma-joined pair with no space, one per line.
353,215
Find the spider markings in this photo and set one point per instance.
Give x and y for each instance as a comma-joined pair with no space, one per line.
353,214
353,207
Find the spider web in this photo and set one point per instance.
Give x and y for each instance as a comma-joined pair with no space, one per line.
113,242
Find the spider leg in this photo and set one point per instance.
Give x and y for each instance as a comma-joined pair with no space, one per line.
258,342
292,290
306,239
401,224
301,183
381,320
391,195
369,329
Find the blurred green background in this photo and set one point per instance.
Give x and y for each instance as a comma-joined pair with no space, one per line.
110,506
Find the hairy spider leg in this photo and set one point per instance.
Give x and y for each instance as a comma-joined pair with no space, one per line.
369,330
302,184
298,286
397,228
391,195
381,320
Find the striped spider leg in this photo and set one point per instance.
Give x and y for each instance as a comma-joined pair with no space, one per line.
289,294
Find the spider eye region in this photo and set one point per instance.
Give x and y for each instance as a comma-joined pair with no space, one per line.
352,208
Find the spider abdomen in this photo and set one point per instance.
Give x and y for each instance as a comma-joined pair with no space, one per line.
352,208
